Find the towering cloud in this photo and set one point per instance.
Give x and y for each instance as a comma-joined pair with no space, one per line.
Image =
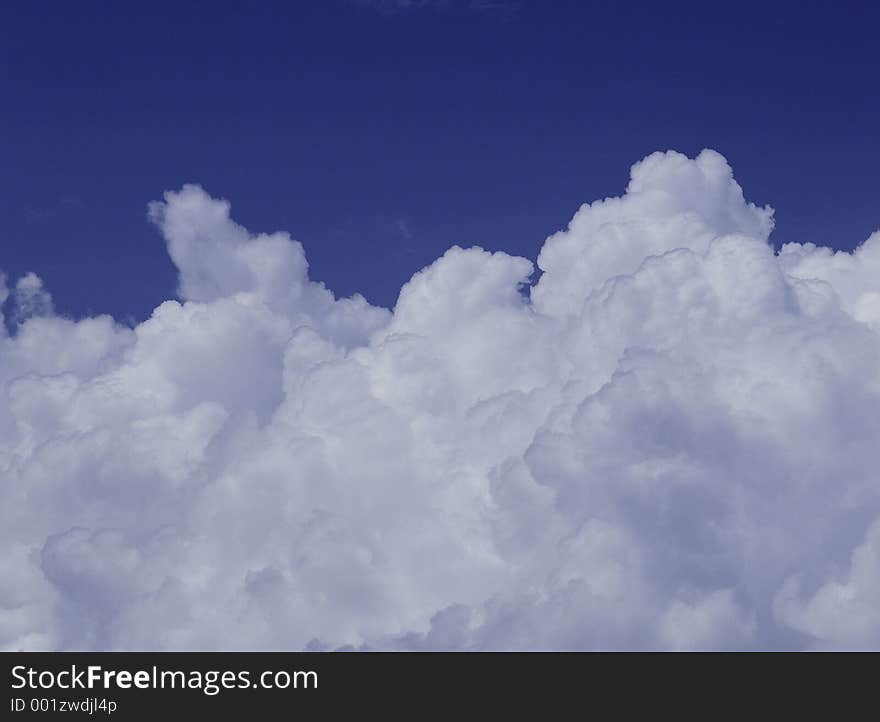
669,441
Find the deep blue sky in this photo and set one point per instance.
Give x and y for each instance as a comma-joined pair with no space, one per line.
379,137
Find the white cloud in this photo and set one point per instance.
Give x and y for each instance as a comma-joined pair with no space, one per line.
670,444
4,294
29,298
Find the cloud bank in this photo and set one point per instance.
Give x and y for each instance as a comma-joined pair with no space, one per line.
668,442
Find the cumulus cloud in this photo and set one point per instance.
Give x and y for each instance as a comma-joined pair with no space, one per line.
667,442
29,298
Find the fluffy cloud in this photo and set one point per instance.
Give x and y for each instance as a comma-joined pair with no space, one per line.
29,298
669,441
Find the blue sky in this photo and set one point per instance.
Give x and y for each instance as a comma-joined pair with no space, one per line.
381,133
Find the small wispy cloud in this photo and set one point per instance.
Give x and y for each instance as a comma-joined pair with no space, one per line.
401,227
503,9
